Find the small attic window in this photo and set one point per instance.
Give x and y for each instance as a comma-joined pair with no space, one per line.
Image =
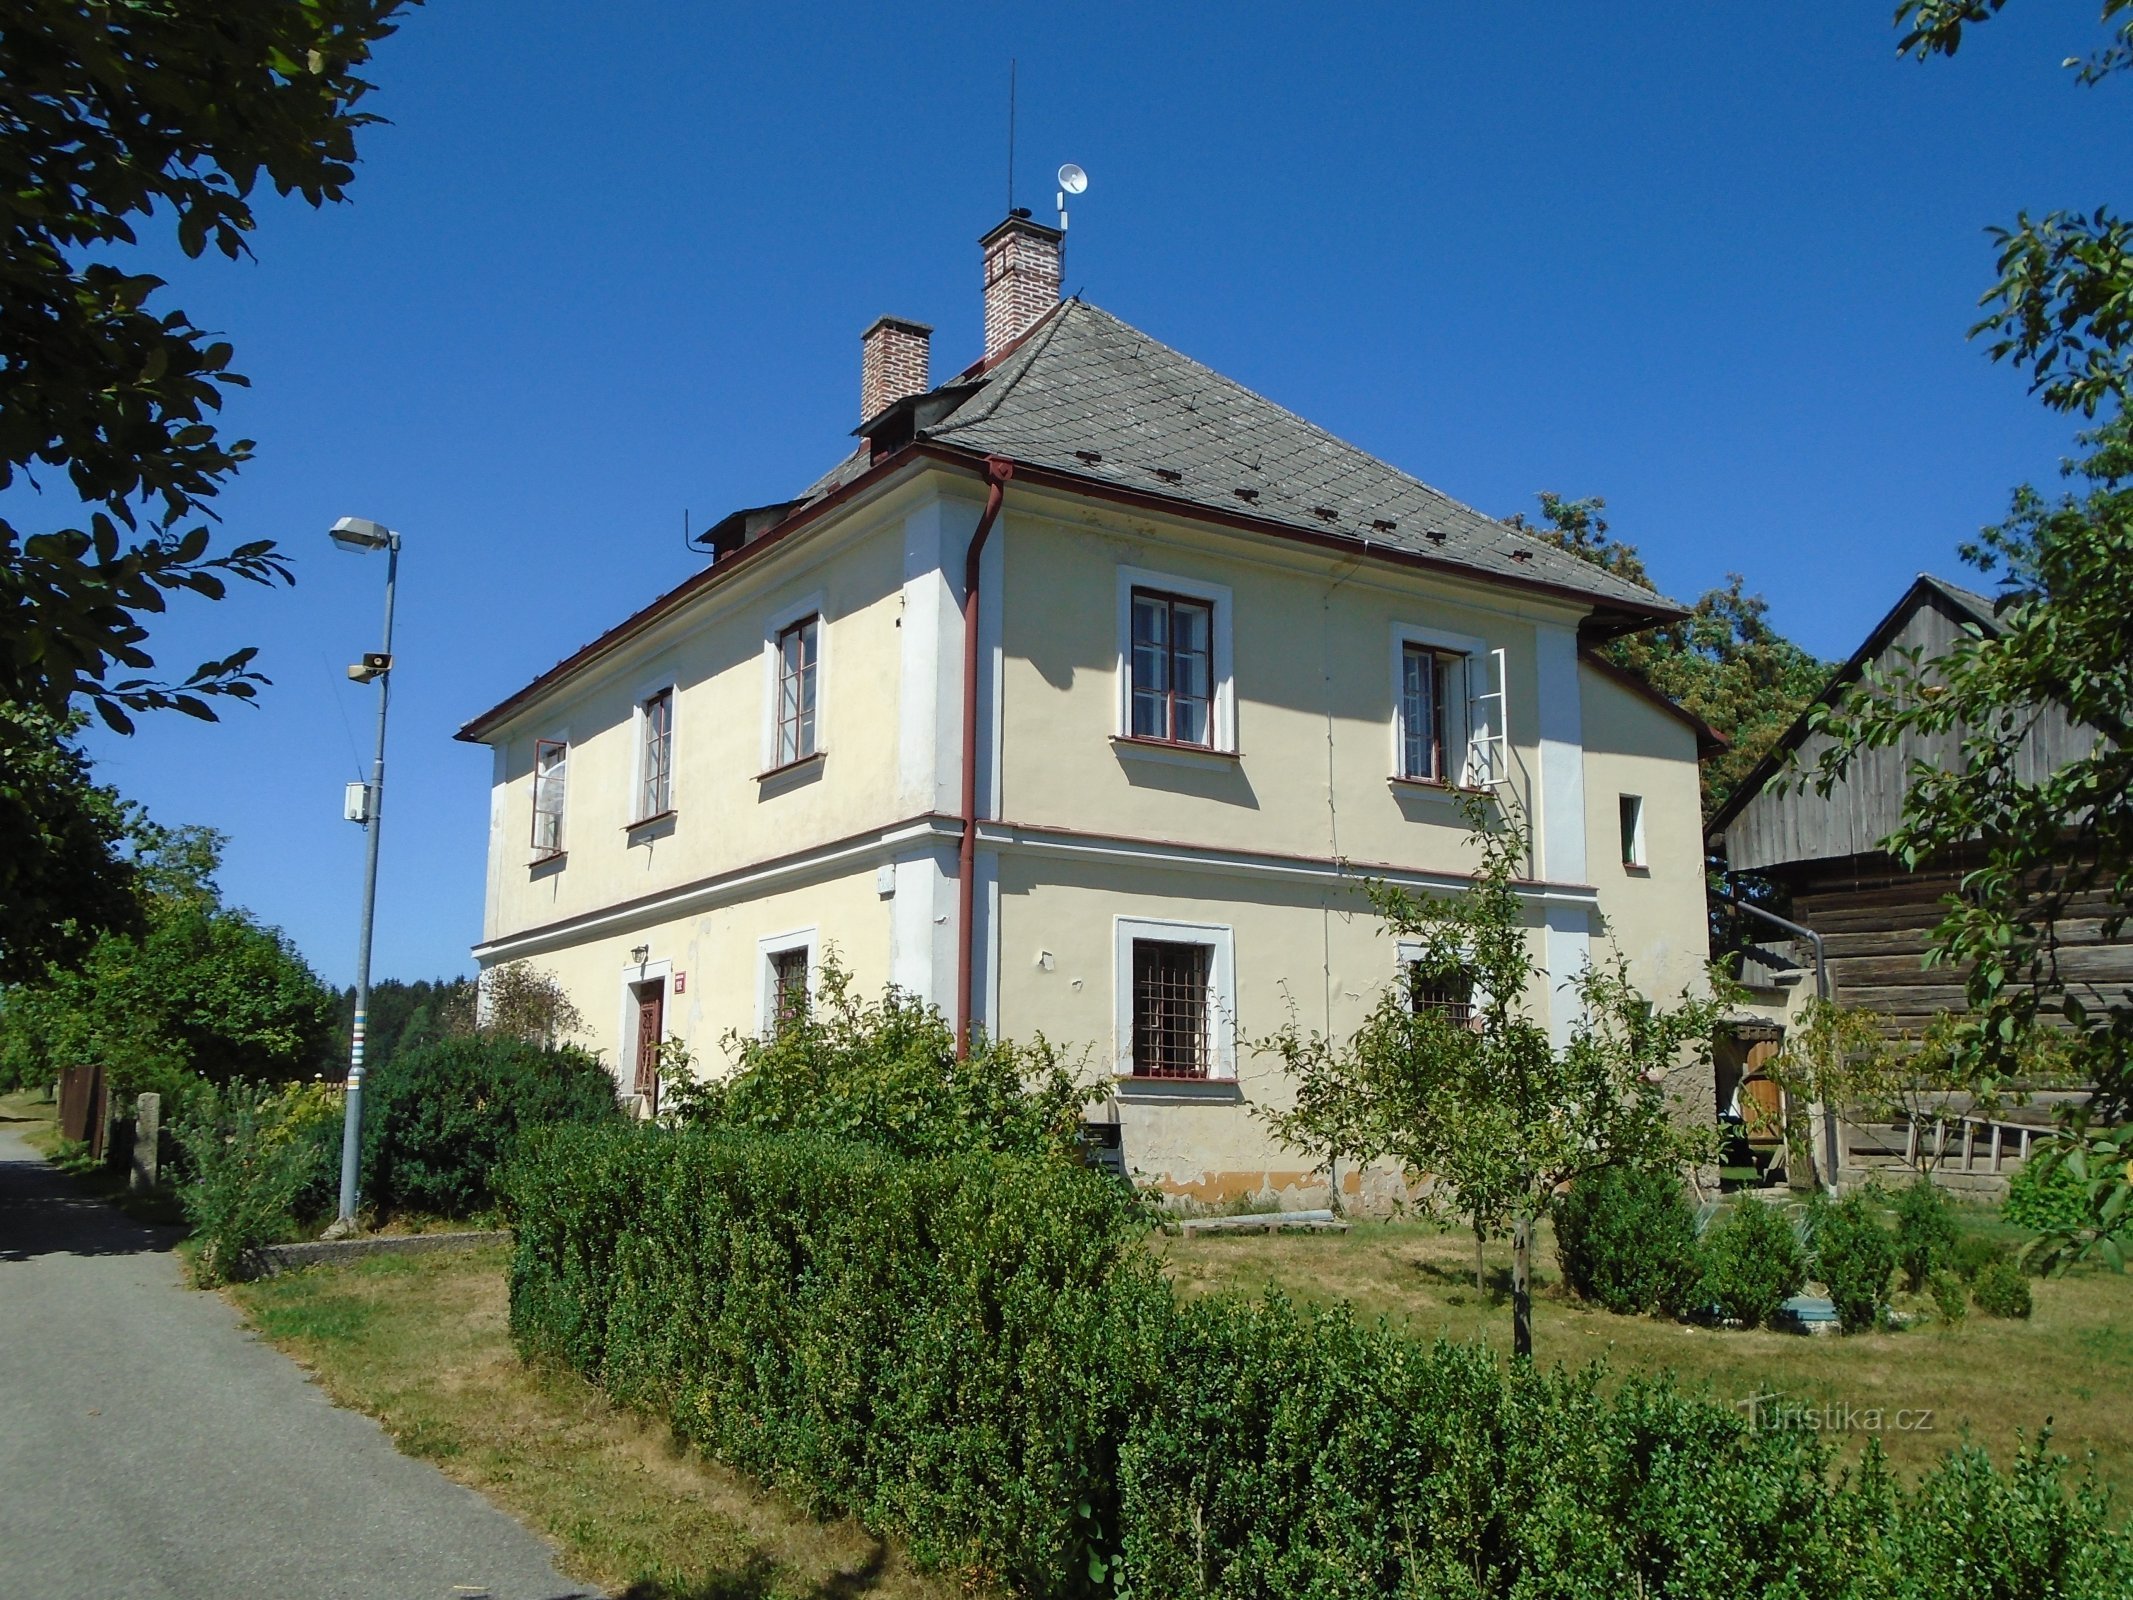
1250,495
1384,525
1168,474
1325,514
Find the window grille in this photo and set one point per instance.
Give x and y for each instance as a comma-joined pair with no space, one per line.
788,986
1170,1009
1448,995
798,661
550,758
1173,668
655,795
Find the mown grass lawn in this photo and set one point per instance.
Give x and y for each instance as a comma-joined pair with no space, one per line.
2070,1364
422,1344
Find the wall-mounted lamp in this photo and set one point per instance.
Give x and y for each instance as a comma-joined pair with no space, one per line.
639,953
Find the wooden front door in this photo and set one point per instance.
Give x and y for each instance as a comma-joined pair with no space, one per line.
1762,1103
651,1030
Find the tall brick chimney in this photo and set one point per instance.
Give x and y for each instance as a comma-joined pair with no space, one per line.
895,360
1022,261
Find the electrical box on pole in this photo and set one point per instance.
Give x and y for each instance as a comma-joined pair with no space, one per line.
355,805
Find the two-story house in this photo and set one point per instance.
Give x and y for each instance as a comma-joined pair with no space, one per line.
1078,700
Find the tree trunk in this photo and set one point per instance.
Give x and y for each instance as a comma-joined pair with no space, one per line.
1522,1287
1481,1261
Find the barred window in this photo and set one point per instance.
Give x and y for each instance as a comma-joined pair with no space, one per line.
798,662
655,787
1173,668
1170,1021
1449,995
788,986
550,759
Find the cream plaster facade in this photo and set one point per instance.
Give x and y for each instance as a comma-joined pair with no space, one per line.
1256,847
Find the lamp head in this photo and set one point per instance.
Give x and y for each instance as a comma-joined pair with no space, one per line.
360,534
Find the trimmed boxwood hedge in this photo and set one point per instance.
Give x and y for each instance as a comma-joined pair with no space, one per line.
975,1355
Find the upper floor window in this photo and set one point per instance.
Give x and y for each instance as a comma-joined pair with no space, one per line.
798,663
550,758
655,766
1633,830
1433,713
1173,668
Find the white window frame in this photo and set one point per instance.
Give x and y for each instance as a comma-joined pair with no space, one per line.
646,692
1475,653
1636,859
1220,939
766,989
1222,712
773,625
562,825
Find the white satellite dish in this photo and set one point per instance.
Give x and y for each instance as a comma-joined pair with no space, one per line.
1072,180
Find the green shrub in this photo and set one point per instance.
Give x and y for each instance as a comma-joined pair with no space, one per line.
1951,1296
1626,1238
1751,1263
1925,1233
440,1120
2045,1197
1855,1257
1973,1252
884,1073
249,1153
2002,1291
975,1355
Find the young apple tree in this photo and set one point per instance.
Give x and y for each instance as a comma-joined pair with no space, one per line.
1476,1099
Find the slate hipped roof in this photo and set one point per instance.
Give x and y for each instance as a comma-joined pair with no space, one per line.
1087,397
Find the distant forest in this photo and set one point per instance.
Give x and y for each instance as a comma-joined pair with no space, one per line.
402,1014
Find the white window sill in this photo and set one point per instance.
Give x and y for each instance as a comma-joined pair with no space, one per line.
1183,755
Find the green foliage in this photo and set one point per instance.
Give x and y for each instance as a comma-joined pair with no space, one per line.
113,113
884,1072
1973,1253
439,1121
65,876
402,1015
1925,1233
2001,1290
1626,1238
1751,1263
1951,1296
1855,1257
1490,1110
201,990
2099,1168
2045,1197
1723,662
972,1354
251,1152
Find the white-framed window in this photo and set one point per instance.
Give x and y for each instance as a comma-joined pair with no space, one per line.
785,985
1176,1001
551,760
795,678
797,666
1435,678
1632,815
655,754
1176,661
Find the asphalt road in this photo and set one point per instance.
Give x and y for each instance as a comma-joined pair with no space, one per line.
151,1448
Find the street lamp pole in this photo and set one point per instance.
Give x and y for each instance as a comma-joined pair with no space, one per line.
360,534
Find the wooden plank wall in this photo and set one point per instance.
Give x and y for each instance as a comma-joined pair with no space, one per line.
1876,922
1785,824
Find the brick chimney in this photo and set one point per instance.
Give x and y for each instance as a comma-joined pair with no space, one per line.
1022,261
895,360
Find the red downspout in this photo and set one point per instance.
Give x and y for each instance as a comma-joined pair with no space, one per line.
997,472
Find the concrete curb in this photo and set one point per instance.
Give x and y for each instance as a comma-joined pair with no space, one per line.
269,1260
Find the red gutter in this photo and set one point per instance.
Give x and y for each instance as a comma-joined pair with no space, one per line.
997,471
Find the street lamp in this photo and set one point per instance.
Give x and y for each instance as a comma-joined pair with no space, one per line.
366,804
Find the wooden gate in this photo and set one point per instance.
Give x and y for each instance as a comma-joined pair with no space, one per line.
85,1107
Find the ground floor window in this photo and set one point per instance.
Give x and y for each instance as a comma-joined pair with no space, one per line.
1176,1001
1449,995
786,962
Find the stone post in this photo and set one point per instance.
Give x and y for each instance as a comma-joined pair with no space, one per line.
147,1132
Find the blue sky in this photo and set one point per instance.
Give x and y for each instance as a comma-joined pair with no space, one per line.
612,261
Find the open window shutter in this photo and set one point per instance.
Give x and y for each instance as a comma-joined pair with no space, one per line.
1488,722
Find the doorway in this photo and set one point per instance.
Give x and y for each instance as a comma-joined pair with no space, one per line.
651,998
